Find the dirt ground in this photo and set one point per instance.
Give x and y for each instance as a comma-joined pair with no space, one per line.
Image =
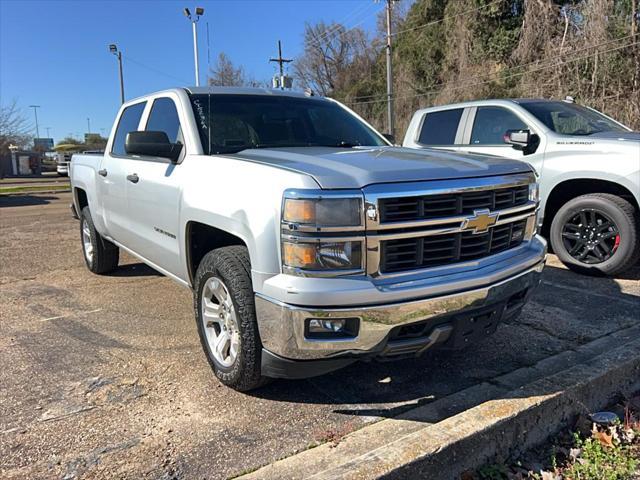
103,376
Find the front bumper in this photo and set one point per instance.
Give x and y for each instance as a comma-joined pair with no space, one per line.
393,329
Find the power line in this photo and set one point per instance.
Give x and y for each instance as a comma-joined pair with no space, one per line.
153,69
514,66
447,18
318,41
341,23
462,87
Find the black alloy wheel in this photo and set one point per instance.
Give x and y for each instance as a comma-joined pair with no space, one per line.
590,236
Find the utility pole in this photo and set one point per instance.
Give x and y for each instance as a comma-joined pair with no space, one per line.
281,61
389,71
35,112
88,125
114,49
194,20
48,128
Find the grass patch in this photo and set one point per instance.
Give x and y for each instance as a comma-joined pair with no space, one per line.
600,462
586,451
35,188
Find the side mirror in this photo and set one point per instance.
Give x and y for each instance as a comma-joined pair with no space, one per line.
152,144
390,137
522,140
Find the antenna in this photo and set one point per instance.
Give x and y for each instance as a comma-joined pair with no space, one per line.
208,49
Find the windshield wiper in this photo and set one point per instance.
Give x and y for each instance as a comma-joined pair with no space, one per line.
341,144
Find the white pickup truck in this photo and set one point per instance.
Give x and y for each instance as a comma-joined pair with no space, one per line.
588,166
309,242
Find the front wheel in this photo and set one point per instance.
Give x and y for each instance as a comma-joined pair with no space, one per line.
596,234
225,312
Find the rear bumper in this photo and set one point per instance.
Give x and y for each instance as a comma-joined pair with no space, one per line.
390,330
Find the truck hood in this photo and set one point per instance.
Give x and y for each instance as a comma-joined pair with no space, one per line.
619,136
362,166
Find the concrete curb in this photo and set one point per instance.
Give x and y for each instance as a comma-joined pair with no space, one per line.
507,416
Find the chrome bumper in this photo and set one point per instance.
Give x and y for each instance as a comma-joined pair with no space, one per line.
282,326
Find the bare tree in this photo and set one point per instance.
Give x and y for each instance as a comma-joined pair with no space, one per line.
14,128
225,74
333,57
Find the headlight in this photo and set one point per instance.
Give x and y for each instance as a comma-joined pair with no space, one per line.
322,254
534,192
323,212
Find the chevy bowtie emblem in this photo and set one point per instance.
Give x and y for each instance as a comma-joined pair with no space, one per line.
480,221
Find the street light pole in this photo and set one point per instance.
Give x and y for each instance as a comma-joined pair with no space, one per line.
35,112
114,49
194,20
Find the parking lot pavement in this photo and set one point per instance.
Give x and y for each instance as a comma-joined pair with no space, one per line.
103,376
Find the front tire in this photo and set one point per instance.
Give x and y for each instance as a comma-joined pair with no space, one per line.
226,317
100,255
596,233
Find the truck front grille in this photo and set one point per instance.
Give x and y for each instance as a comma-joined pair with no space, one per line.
435,250
435,206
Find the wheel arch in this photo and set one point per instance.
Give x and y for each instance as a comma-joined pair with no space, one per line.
566,190
80,198
201,238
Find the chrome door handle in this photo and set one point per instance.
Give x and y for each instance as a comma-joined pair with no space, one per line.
133,178
102,173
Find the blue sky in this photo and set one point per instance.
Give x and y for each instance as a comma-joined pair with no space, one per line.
55,53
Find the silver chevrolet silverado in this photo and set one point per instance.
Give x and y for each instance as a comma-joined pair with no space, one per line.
308,240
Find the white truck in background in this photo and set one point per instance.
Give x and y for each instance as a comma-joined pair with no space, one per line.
588,166
309,242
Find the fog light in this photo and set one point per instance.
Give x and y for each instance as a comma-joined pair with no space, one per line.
323,328
517,235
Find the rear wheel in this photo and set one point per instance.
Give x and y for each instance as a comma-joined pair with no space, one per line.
100,255
596,234
225,312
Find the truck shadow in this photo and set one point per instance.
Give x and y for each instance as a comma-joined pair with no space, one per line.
568,310
25,200
135,270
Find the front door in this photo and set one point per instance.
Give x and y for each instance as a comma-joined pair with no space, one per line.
488,124
153,194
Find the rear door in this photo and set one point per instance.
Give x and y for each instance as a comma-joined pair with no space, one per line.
112,183
154,191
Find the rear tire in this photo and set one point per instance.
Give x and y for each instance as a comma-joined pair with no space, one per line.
100,255
579,228
225,312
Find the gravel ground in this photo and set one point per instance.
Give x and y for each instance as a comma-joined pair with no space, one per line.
103,376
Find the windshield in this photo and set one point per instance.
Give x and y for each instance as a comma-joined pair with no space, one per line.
571,119
229,123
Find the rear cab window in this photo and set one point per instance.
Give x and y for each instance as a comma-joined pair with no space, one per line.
440,128
129,122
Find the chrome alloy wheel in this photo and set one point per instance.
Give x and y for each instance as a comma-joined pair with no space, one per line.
220,322
86,241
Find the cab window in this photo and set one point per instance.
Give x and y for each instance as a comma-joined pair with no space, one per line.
129,121
164,118
491,123
440,128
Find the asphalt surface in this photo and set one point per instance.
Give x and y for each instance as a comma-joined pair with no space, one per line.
104,377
